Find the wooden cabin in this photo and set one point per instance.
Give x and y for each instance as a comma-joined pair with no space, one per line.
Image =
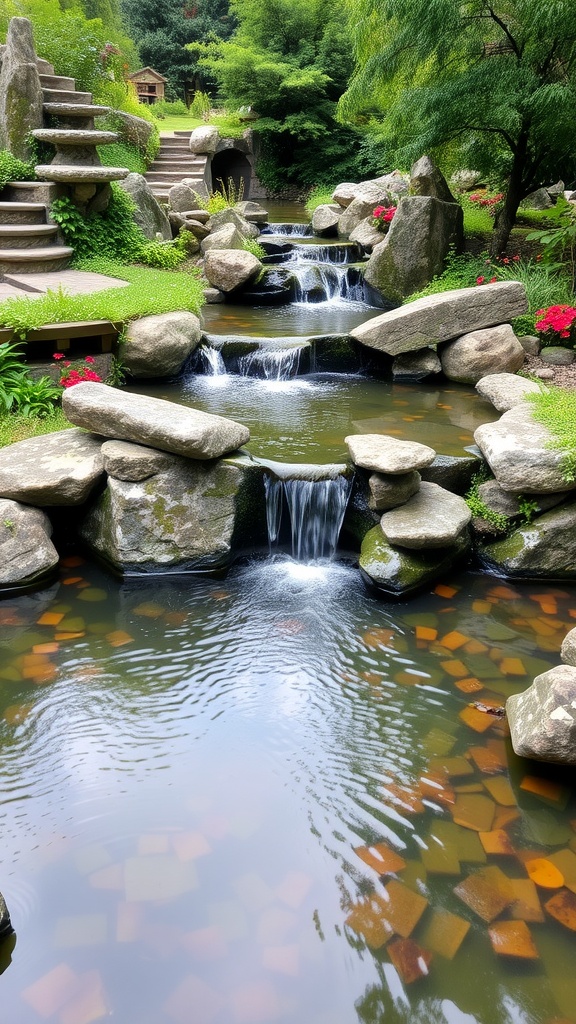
150,85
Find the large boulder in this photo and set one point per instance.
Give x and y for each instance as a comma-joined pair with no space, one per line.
436,318
21,97
431,518
568,649
426,179
253,212
183,517
386,454
226,237
542,719
205,140
453,472
491,350
413,252
133,462
152,421
27,554
387,491
134,130
367,234
149,215
397,572
369,194
232,216
544,549
182,198
229,269
505,390
325,219
344,193
521,453
158,346
53,469
507,504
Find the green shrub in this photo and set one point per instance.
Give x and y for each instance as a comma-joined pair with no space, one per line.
149,291
555,408
12,169
200,106
176,108
121,154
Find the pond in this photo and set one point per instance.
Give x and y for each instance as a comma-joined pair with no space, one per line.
215,793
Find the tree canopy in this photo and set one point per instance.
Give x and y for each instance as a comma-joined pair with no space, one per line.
498,77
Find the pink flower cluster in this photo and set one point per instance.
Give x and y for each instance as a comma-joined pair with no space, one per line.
79,372
556,319
383,214
484,200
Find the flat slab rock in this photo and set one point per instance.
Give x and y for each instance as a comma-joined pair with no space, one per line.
133,462
385,454
26,551
54,469
398,572
542,719
432,518
152,422
505,390
436,318
517,450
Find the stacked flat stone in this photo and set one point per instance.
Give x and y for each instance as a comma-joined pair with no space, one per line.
76,160
542,719
423,527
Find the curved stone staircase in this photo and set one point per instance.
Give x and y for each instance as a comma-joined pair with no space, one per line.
175,163
29,243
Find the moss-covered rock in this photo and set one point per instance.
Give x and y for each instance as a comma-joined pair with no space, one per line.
397,572
544,549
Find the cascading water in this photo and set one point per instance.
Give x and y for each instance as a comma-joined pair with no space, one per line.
211,361
316,508
271,364
289,230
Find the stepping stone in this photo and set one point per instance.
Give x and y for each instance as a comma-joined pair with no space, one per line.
432,518
385,454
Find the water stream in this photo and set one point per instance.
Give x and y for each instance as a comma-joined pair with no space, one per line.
210,789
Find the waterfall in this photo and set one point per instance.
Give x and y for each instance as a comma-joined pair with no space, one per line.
323,282
211,361
271,364
337,253
315,508
287,230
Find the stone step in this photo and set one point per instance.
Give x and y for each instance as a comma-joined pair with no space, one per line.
66,96
26,236
179,152
44,67
22,213
72,110
48,81
183,134
77,174
44,192
184,169
171,142
35,261
170,176
74,136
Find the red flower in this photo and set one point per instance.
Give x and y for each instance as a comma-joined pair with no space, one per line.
493,280
89,359
516,259
480,280
556,320
58,355
505,260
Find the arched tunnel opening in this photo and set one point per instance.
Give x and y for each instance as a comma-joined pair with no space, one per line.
231,164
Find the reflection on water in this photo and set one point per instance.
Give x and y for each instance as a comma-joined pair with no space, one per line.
299,319
195,776
306,419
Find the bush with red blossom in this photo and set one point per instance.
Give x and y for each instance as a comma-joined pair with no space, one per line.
556,320
76,373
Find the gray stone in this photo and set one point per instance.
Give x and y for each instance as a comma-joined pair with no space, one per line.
453,472
231,216
325,219
546,373
395,182
27,554
530,344
72,174
507,504
398,573
426,179
182,198
414,250
344,193
519,453
158,346
388,491
505,390
53,469
491,350
555,190
390,455
416,365
205,139
21,96
542,719
195,227
545,549
555,355
229,269
151,421
253,212
538,200
226,237
367,234
134,130
183,517
133,462
435,318
432,518
149,215
465,180
568,649
213,296
369,194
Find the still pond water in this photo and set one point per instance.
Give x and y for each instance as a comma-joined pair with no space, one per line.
269,798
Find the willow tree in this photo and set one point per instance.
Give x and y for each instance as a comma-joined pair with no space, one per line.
497,77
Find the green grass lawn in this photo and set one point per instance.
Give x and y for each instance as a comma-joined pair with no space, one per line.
178,123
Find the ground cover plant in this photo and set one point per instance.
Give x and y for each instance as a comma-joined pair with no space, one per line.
555,408
17,427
